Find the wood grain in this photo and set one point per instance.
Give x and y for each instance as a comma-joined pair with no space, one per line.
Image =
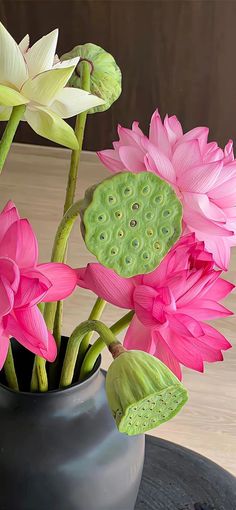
35,178
175,478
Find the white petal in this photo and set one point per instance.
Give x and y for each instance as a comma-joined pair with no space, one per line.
45,86
10,97
12,65
40,56
67,63
49,125
5,112
24,44
71,101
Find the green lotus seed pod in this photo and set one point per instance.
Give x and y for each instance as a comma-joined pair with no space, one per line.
142,392
130,222
105,74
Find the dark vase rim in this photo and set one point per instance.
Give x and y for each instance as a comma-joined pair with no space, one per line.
70,389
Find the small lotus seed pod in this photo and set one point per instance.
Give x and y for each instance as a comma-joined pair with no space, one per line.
130,222
105,73
142,392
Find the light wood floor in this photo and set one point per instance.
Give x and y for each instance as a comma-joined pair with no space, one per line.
35,179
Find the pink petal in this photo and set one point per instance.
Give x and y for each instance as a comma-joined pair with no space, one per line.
218,191
164,353
207,352
228,152
20,244
110,158
219,290
202,205
139,337
220,249
107,285
136,128
4,346
186,155
185,325
8,216
144,302
30,342
158,134
157,161
132,158
7,297
184,351
128,137
173,128
197,222
205,309
63,280
32,322
11,272
214,338
199,133
201,178
32,289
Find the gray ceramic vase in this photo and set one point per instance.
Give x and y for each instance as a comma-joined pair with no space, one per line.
61,451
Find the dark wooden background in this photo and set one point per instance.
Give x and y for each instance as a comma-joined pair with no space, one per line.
178,55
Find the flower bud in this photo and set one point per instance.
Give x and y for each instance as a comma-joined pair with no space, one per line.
105,79
142,392
130,222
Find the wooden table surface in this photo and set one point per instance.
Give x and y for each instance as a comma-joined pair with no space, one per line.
35,178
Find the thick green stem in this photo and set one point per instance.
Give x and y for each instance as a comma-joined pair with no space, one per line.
9,133
10,372
95,314
58,252
73,347
59,248
72,177
98,346
79,132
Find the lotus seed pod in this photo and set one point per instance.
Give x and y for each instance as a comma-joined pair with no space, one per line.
130,222
105,74
142,392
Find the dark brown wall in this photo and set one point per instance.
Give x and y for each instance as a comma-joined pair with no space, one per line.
175,54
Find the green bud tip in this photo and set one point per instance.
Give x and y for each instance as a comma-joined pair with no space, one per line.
105,78
141,391
130,222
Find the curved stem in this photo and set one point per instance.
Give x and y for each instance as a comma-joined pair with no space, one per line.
9,133
98,346
95,314
73,347
10,372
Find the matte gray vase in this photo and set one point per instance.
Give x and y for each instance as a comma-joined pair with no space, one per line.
61,451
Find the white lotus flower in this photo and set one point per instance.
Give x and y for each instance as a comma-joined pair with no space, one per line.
36,78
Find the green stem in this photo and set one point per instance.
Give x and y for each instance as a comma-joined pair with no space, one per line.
73,176
95,314
58,253
59,248
79,132
10,372
9,133
96,349
73,347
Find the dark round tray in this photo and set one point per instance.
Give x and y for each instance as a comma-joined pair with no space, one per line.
175,478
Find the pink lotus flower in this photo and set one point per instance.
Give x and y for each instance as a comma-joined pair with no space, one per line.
24,283
170,304
202,174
